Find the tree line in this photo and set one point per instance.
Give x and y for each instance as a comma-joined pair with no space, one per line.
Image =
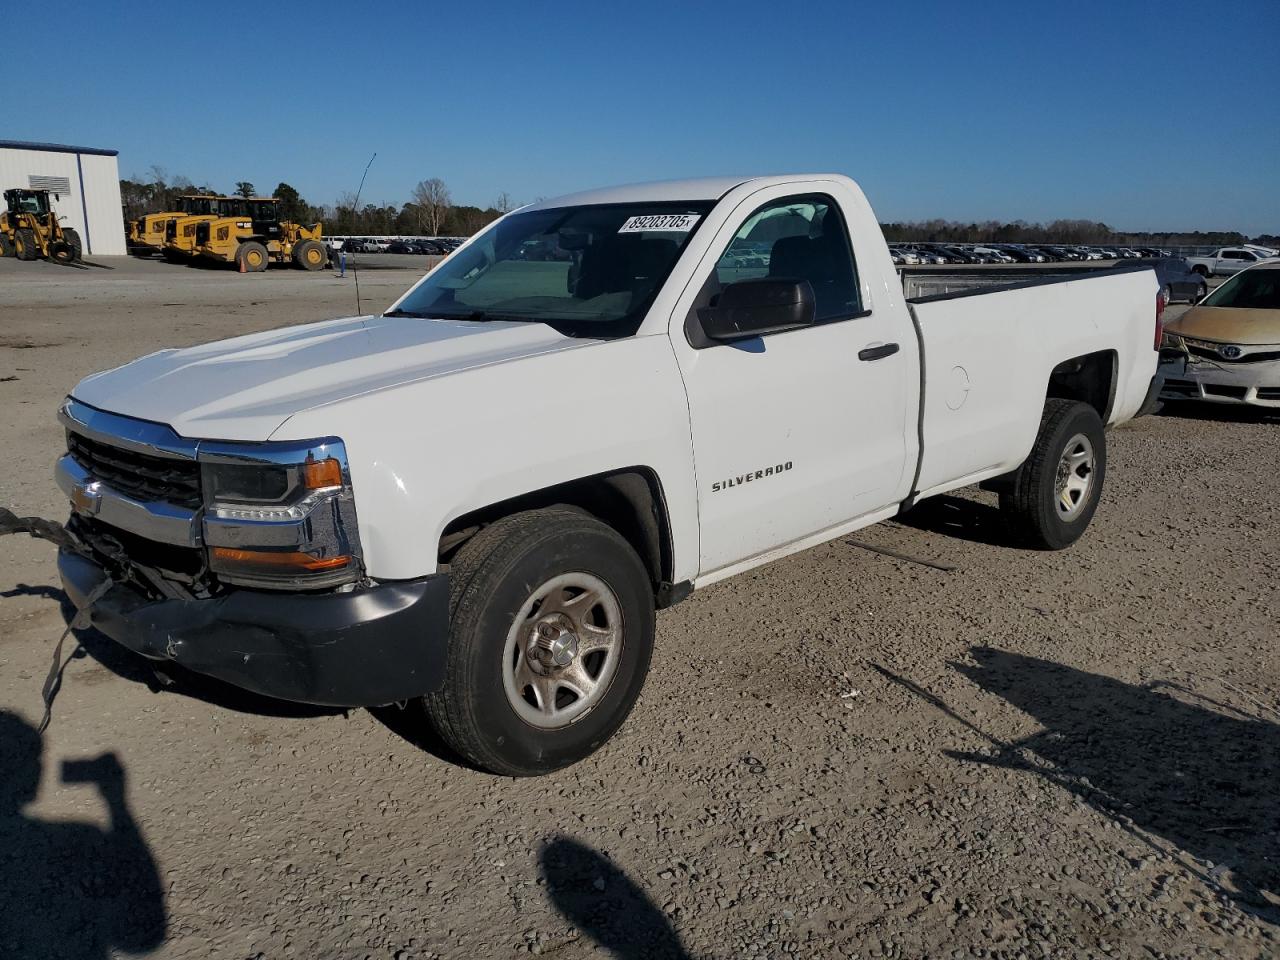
1086,232
430,211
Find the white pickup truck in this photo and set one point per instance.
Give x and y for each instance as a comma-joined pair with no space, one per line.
1227,261
594,407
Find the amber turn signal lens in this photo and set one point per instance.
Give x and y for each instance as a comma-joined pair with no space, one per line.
277,560
318,474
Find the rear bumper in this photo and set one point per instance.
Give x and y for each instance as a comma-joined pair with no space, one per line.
359,649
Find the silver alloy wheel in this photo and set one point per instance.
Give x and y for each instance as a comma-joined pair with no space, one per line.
562,650
1074,481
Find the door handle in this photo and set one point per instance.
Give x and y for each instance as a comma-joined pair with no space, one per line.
878,352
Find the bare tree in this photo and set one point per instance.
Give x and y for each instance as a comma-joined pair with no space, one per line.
433,201
503,204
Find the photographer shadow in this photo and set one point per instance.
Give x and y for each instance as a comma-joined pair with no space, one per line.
71,891
1203,779
606,904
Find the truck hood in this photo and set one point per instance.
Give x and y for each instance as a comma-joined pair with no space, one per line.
245,388
1229,325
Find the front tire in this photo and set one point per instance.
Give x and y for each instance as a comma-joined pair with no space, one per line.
310,255
551,637
1055,492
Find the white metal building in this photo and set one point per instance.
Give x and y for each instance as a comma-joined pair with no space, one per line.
85,182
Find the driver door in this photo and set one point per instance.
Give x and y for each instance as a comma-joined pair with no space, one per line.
793,433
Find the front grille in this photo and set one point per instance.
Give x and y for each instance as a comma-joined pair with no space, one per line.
1222,390
1269,393
1181,388
138,475
1247,358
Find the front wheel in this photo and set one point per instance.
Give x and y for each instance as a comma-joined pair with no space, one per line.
551,636
1055,492
310,255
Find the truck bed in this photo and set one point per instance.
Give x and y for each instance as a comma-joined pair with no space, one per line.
926,283
989,350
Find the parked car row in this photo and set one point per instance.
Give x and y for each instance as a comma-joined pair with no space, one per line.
917,253
429,246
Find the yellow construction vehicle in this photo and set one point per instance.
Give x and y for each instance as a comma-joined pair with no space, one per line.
180,231
29,229
147,233
253,238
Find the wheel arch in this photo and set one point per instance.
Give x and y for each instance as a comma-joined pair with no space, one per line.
630,500
1089,378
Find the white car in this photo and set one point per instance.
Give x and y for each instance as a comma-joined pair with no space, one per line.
994,255
481,496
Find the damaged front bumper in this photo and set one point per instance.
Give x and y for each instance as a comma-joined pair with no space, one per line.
362,648
1193,378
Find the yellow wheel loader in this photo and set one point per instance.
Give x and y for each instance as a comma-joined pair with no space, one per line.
29,229
147,233
254,238
180,232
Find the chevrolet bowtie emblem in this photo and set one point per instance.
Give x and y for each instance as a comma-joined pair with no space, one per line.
86,498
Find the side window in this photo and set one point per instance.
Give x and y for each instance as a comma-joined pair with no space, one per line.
801,238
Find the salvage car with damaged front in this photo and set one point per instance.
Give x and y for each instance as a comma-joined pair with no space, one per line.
1227,348
480,497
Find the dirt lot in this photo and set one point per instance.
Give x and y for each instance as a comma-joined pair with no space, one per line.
841,754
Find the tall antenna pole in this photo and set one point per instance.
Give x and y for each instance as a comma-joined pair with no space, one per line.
355,270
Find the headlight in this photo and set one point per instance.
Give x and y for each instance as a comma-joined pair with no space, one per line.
280,515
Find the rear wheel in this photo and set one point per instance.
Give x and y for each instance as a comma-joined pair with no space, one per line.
310,255
1055,492
1201,269
1202,291
24,245
6,245
1167,293
552,631
252,256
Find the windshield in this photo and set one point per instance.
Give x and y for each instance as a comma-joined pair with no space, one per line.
1257,289
589,271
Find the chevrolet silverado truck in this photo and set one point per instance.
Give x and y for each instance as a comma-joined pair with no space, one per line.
1226,261
480,497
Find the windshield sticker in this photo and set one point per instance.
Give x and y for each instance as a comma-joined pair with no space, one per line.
662,223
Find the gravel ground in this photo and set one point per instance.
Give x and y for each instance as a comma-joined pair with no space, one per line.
837,755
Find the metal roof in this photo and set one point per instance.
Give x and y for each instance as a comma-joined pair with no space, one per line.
57,148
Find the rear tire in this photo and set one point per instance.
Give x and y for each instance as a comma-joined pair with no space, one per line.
310,255
252,256
507,705
1201,292
1055,492
6,245
24,245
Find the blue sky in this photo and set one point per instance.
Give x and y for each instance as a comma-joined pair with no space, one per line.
1142,114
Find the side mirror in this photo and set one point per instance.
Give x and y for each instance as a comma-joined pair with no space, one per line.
752,308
